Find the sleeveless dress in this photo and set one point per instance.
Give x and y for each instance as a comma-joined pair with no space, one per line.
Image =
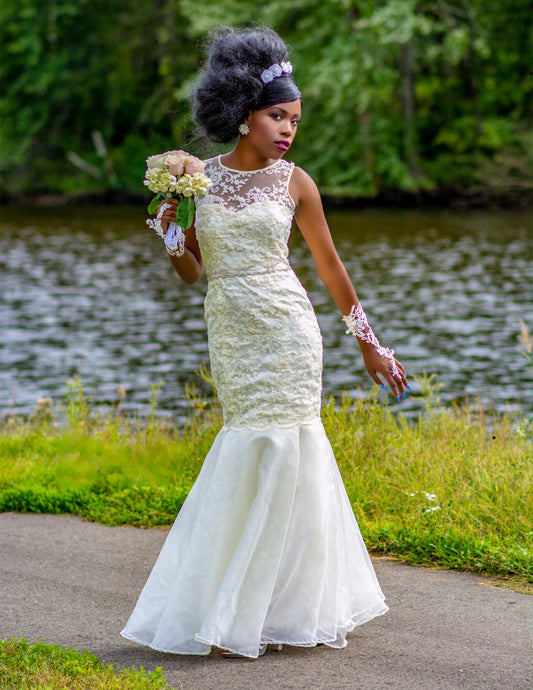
266,547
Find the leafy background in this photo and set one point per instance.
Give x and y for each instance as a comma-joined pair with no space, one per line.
400,96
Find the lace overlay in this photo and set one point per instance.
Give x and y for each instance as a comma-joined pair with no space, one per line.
285,561
264,342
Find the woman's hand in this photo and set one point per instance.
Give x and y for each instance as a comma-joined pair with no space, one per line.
169,214
380,366
189,266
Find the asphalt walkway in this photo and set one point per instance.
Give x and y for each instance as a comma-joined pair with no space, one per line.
74,583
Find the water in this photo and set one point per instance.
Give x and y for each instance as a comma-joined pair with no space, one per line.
89,291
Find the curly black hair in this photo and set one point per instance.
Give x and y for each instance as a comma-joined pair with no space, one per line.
230,84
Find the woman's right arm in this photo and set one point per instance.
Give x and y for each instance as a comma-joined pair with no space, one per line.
190,265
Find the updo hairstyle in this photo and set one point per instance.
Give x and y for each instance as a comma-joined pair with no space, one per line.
230,84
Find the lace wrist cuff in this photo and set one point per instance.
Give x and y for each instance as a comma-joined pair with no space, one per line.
359,327
155,224
174,240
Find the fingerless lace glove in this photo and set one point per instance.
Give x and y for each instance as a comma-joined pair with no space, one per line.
359,327
174,238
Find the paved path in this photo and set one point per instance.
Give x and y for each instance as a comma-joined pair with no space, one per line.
75,583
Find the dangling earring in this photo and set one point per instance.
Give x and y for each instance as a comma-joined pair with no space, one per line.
243,129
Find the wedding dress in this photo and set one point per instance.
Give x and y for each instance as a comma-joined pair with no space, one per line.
266,547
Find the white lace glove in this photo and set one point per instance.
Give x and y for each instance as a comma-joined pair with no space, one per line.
174,238
359,327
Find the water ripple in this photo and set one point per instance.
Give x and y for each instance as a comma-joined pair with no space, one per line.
91,293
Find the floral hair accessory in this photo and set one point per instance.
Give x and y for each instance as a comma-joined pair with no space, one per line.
278,69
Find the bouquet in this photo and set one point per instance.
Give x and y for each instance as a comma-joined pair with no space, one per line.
175,174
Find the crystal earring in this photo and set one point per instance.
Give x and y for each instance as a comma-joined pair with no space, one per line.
243,129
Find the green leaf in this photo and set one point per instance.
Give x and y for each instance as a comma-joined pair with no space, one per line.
152,207
185,214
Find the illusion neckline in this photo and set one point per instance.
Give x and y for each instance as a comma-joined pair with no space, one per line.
247,172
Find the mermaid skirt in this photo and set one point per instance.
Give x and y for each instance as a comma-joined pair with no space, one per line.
265,549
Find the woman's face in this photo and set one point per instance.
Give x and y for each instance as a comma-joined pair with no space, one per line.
273,129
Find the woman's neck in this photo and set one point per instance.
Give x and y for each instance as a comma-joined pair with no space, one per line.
245,157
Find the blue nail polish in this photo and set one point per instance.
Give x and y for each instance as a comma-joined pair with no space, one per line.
399,398
409,387
383,387
403,395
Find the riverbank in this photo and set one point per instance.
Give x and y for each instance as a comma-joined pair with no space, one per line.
454,197
451,490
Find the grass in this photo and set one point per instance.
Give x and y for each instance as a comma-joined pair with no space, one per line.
453,490
27,666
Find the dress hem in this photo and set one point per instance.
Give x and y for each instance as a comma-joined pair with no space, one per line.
356,620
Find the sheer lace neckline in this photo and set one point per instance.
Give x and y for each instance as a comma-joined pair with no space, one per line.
239,189
247,172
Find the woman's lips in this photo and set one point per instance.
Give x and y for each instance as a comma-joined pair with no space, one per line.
282,145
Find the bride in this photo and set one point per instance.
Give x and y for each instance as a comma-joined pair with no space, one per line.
266,549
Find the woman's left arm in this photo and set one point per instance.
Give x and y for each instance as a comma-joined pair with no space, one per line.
311,221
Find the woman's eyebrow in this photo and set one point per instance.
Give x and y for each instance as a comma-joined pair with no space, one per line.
285,112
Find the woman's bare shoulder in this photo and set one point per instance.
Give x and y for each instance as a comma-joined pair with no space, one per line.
303,187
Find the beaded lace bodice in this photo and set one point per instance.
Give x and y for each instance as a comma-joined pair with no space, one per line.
264,342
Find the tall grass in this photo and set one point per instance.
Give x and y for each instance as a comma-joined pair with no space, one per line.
452,489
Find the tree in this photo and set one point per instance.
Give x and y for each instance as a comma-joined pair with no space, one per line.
403,95
88,91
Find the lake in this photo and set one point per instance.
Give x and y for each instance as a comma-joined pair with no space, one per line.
90,291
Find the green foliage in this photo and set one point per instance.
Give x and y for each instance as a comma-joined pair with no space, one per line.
152,206
442,492
398,94
185,214
453,489
28,666
88,91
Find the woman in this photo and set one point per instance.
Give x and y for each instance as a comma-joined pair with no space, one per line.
266,548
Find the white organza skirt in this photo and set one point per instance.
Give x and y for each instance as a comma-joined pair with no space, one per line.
265,549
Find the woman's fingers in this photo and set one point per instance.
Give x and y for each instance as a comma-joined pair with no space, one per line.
388,378
399,366
169,202
402,375
167,210
375,378
397,379
383,369
394,385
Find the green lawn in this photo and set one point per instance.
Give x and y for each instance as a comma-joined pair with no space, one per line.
453,489
27,666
